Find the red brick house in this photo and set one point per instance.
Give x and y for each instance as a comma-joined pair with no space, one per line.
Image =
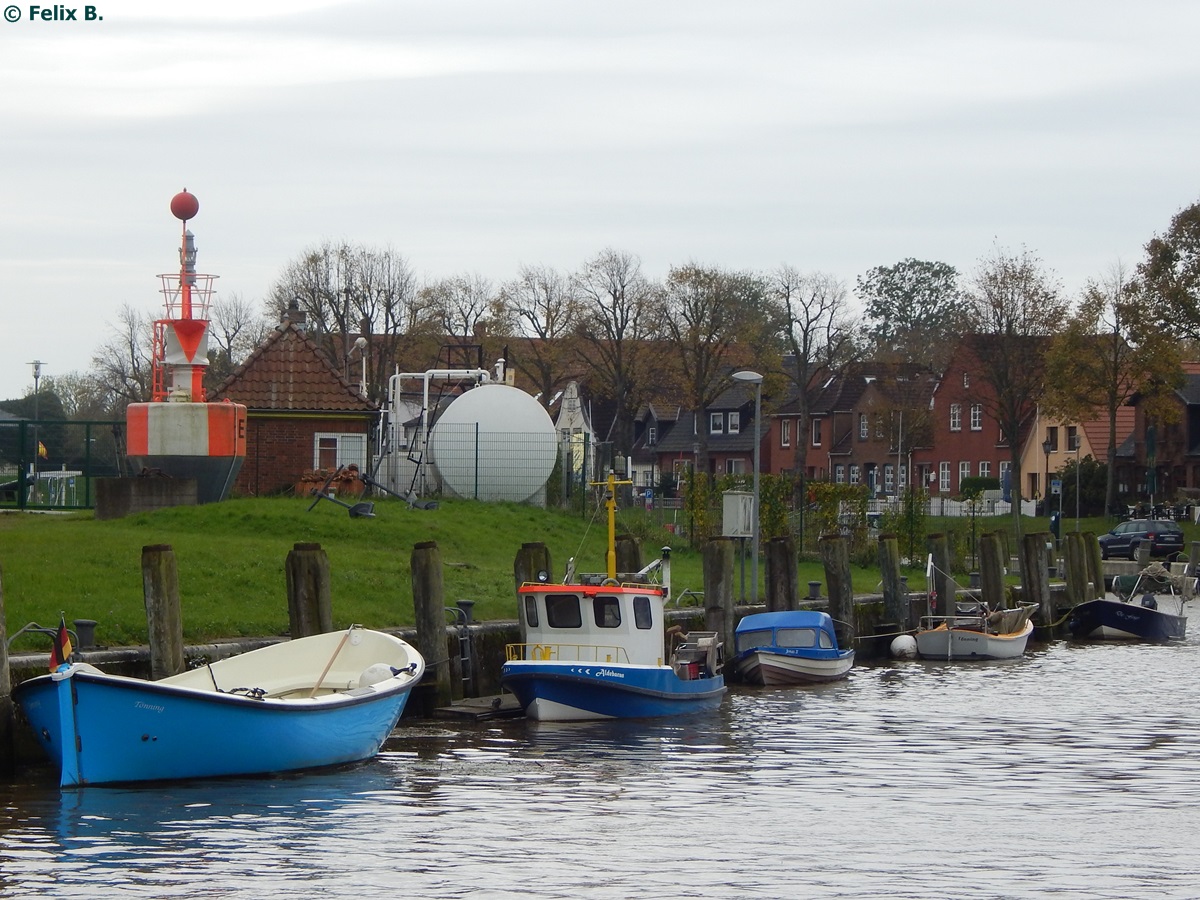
302,414
864,426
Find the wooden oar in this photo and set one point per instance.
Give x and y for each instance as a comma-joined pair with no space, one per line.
329,665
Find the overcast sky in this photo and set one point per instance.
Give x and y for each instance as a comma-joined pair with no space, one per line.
479,135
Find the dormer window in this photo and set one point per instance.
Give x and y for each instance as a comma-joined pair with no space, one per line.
651,436
735,422
716,423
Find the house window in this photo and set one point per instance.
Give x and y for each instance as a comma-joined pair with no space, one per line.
651,435
985,470
879,426
816,432
839,474
956,417
977,417
854,473
716,423
1052,437
735,467
785,432
735,422
903,476
333,450
1072,438
944,477
1005,468
964,472
888,475
966,379
863,432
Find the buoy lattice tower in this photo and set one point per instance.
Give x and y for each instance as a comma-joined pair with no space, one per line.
178,432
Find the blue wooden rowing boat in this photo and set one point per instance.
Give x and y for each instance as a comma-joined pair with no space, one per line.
317,701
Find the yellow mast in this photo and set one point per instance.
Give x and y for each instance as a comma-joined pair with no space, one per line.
611,503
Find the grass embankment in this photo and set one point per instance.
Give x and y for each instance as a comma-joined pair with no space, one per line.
231,559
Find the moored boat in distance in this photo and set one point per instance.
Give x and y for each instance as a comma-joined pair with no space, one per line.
312,702
790,647
976,634
595,647
1149,606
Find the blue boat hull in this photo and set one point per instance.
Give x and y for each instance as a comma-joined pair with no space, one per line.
1128,620
101,729
573,690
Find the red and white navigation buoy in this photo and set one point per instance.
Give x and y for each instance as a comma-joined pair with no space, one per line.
178,432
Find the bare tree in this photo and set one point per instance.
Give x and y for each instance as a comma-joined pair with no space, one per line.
817,331
714,319
347,291
235,328
122,363
538,309
1015,307
461,304
616,320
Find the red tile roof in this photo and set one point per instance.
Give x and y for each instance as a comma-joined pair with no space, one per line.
288,372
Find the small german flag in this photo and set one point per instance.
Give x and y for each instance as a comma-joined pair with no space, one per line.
60,653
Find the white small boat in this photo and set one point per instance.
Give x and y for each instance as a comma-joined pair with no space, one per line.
976,635
789,647
316,701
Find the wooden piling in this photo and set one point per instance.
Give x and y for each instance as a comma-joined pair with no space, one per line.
164,618
783,577
718,590
991,571
1189,584
629,554
531,561
896,608
429,608
835,556
1035,574
1076,564
6,704
944,585
1095,564
310,609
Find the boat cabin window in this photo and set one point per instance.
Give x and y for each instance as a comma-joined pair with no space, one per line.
531,616
749,639
797,637
826,641
607,611
562,611
643,618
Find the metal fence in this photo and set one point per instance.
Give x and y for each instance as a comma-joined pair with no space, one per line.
52,464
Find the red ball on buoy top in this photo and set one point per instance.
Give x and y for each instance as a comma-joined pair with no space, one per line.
184,205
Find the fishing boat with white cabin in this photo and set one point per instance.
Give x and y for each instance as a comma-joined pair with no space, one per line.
596,647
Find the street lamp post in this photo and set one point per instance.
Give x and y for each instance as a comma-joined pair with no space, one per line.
755,379
1046,485
1077,483
37,374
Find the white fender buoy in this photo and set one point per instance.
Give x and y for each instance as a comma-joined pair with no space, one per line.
904,646
375,673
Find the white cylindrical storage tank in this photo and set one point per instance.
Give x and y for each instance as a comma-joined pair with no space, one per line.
495,442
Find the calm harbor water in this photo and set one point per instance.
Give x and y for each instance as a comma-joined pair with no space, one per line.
1073,772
